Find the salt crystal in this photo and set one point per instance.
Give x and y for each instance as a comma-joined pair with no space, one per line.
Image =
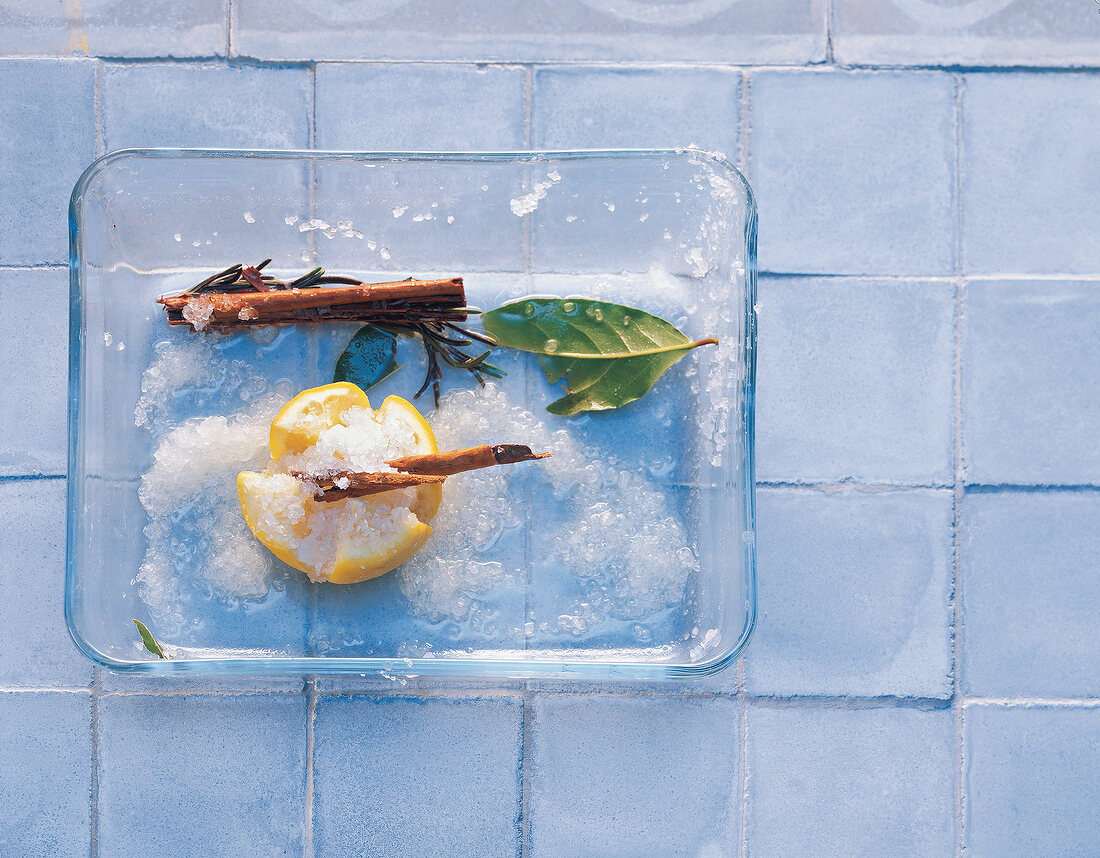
450,219
610,206
399,210
247,313
178,237
290,221
107,338
198,312
248,217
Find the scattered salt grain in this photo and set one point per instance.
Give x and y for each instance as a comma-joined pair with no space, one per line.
248,217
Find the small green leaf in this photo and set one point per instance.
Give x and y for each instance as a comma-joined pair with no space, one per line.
608,354
368,358
150,641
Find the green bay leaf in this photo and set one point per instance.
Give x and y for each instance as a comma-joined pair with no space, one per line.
607,353
149,641
368,358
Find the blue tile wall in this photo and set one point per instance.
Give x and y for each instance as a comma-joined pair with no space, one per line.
166,104
1031,594
114,28
408,776
45,773
631,108
855,380
634,776
784,31
923,676
1030,386
34,396
230,767
35,650
1031,189
459,107
1032,780
850,782
854,171
854,593
45,149
999,33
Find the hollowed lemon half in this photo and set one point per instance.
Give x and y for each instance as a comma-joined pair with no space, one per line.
354,539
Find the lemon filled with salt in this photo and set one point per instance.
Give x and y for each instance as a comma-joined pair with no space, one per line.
332,430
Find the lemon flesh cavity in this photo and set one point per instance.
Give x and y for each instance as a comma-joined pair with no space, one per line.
330,429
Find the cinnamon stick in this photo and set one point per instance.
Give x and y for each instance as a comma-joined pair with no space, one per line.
456,461
362,484
419,470
415,300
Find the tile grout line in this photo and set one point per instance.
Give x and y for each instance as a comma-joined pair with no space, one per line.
743,761
958,714
744,124
527,713
310,691
228,29
527,718
93,792
100,142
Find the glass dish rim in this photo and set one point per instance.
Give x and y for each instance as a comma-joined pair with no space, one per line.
436,668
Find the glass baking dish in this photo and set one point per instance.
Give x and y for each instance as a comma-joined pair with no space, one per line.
642,567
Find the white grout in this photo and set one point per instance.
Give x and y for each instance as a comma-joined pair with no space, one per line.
958,469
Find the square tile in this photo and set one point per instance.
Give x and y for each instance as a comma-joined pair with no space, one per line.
1030,594
34,351
784,31
1032,781
1030,389
417,776
637,776
850,782
854,380
159,104
999,33
458,107
46,774
636,108
853,594
45,150
231,768
854,171
1030,186
113,28
35,648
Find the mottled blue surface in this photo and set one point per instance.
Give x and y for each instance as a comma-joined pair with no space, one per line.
1031,594
854,380
458,107
45,773
854,594
232,768
44,150
849,782
634,776
1032,779
577,107
1030,149
854,171
923,680
1031,385
417,776
35,380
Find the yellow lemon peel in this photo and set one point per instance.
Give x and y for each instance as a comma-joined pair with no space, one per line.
345,541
